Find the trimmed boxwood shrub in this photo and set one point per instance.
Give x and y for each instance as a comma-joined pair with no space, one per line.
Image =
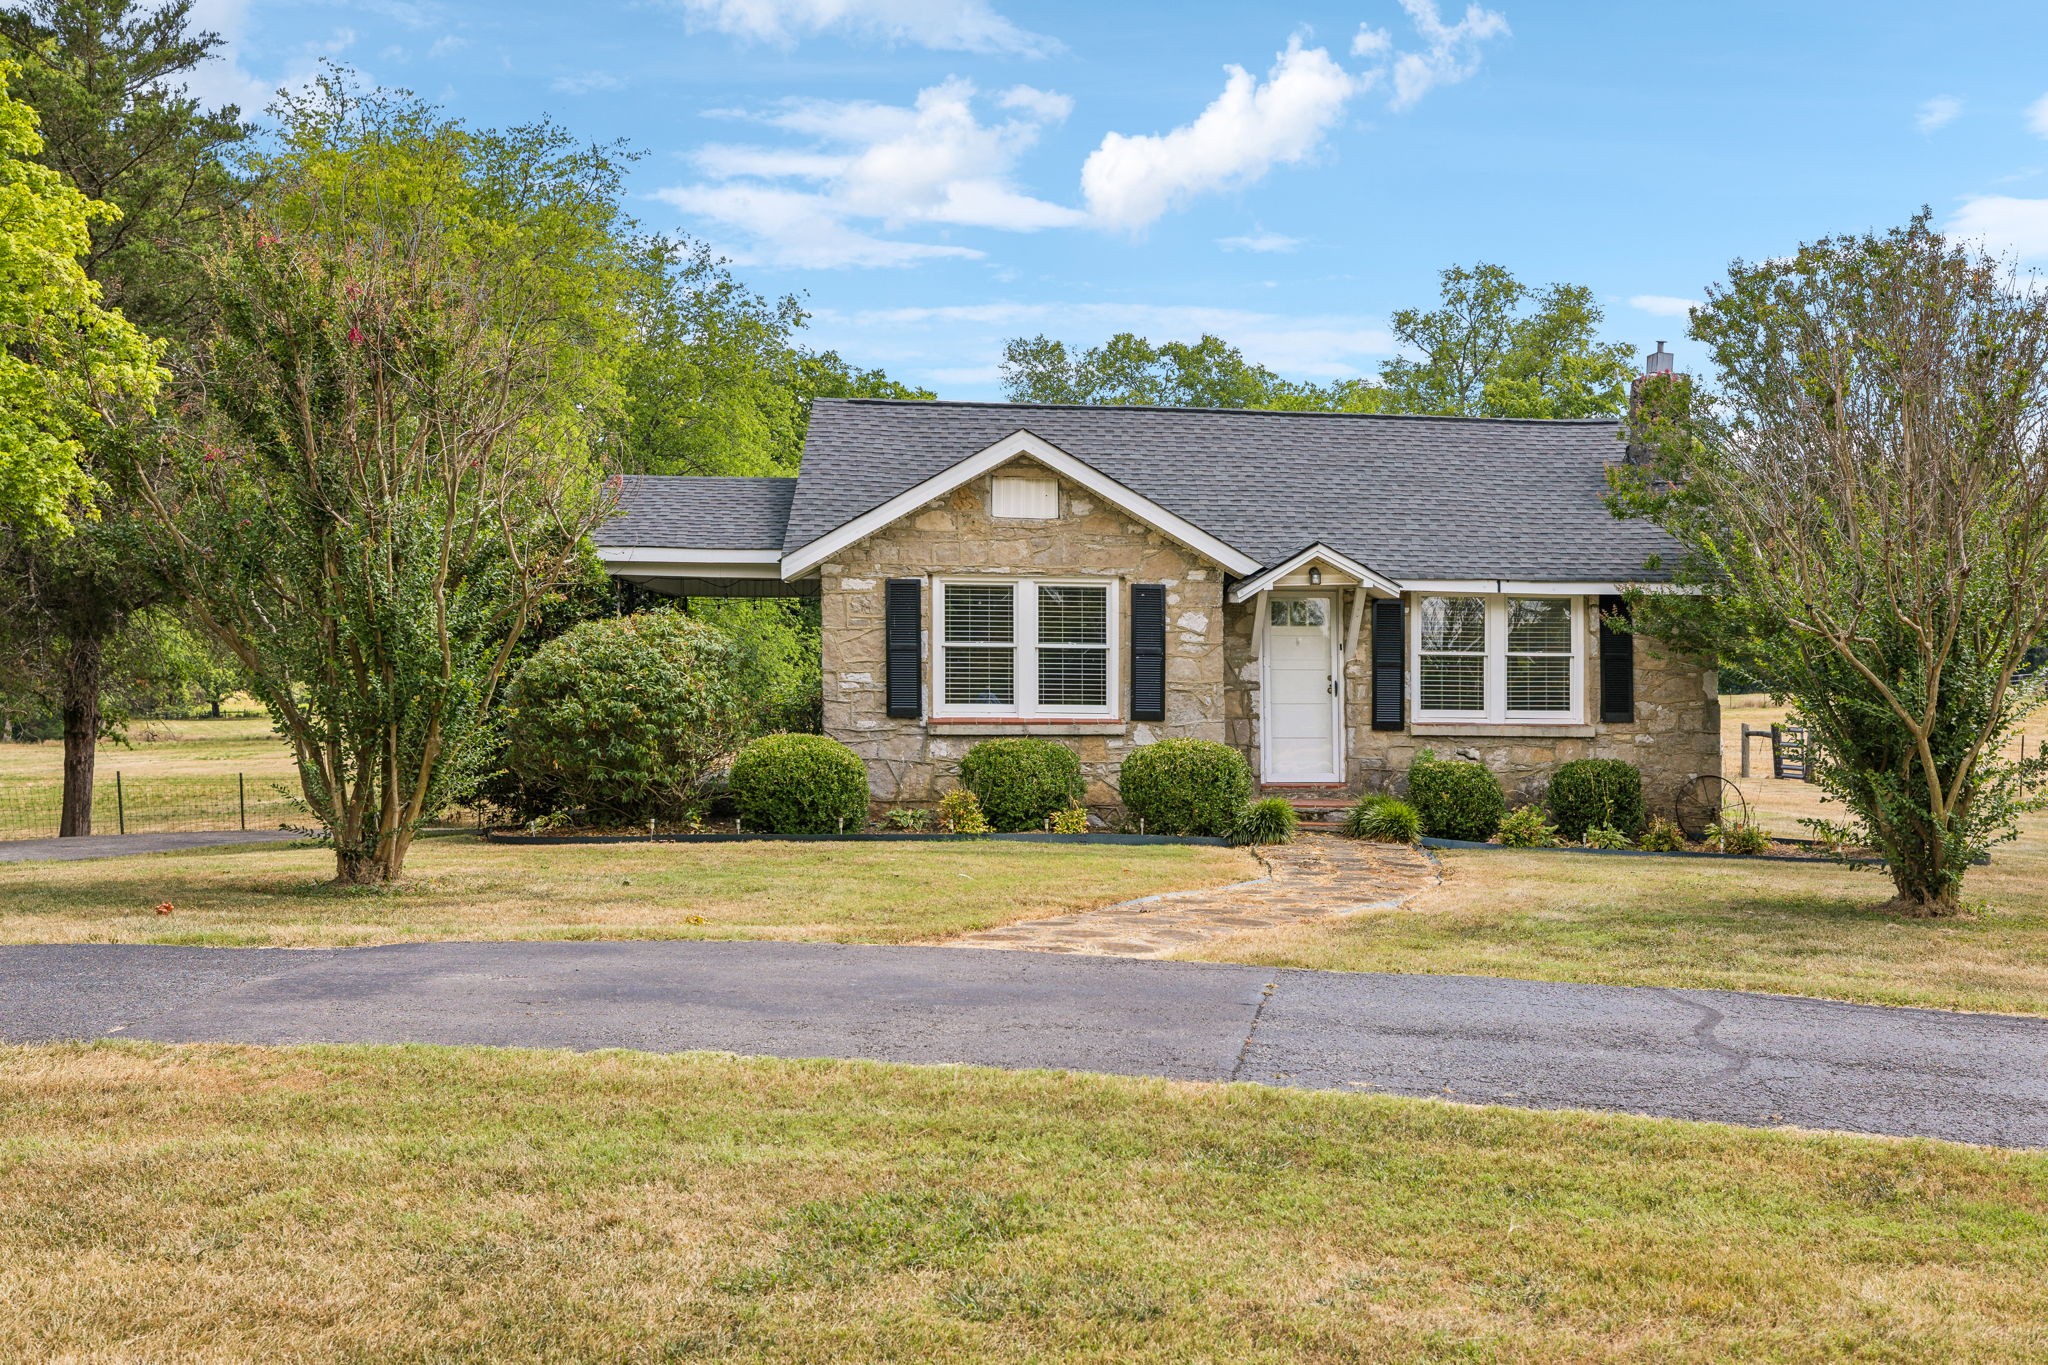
1021,782
1457,799
800,784
624,716
1186,786
1590,792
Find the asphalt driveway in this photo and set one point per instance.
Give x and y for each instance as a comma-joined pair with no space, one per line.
1718,1055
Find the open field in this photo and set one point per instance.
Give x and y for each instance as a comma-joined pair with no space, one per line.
459,887
1791,928
173,775
415,1204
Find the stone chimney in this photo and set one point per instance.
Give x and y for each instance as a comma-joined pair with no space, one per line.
1657,365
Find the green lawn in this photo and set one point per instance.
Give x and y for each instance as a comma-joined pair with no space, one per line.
460,887
425,1204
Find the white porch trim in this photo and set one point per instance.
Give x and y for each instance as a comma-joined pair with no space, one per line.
659,561
1321,554
1020,443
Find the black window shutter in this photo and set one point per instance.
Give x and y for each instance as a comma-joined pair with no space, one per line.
903,629
1148,651
1617,665
1389,642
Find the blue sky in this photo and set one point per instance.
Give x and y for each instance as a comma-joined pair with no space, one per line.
934,176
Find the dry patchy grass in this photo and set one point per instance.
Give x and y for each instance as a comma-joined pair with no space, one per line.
463,888
166,748
1790,928
425,1204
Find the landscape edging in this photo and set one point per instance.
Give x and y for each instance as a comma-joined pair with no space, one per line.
513,836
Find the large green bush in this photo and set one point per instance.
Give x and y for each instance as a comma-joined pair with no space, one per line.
624,716
1186,786
1021,782
1457,799
800,784
1591,792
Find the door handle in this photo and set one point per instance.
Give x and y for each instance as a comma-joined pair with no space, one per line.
1333,687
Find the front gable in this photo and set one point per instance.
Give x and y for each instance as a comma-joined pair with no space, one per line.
1021,446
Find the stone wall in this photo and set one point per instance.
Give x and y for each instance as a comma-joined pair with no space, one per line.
1675,737
915,761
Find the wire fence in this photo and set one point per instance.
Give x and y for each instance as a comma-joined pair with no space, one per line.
131,803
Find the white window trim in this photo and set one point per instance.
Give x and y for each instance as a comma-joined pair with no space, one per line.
1026,649
1495,671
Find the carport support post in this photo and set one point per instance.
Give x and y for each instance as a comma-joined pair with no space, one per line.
242,799
120,806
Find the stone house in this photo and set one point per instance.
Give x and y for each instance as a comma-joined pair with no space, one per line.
1329,593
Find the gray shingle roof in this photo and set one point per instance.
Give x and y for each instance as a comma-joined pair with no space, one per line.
683,512
1413,497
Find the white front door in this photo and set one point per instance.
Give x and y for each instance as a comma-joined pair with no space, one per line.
1300,689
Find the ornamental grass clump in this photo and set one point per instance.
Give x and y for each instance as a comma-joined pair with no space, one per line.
1383,820
1186,786
1020,783
800,784
1457,799
1269,821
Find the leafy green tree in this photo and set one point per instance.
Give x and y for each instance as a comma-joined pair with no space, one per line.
1862,498
1128,370
68,365
717,382
1496,348
1493,348
388,456
106,80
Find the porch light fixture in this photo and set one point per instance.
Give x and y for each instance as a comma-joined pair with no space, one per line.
1315,576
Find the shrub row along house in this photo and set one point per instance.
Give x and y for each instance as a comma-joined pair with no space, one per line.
1328,593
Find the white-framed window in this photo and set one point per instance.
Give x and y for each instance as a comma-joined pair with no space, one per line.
1026,647
1498,658
1023,497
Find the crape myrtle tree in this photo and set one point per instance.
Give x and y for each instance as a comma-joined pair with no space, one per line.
1862,498
106,78
385,455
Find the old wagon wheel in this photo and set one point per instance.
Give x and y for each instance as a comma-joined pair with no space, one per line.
1707,800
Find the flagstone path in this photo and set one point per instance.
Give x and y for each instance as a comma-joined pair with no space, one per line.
1315,877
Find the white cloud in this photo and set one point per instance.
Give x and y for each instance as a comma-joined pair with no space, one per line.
447,43
2004,224
1662,305
1938,112
1131,181
1260,241
226,78
1451,51
1044,105
793,228
586,82
947,25
2037,116
935,163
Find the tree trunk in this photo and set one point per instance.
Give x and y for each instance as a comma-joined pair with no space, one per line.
216,708
81,707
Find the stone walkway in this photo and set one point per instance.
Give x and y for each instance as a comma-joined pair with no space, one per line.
1315,877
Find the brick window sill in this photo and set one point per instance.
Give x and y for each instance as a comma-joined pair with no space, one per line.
1474,730
999,725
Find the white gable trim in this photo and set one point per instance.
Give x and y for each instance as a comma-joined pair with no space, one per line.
1020,443
1317,553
